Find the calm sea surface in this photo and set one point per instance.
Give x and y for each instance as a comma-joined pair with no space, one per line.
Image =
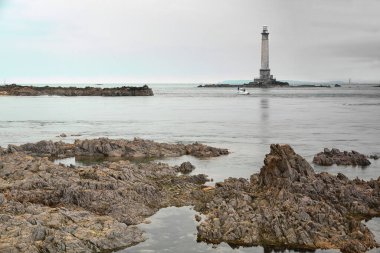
308,119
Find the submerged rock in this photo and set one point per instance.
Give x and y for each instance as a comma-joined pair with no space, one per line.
335,156
288,205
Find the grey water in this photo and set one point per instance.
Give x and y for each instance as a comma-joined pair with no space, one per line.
308,119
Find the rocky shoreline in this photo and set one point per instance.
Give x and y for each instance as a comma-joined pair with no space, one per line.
45,207
19,90
288,205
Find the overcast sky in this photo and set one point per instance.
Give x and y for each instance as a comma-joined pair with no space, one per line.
187,40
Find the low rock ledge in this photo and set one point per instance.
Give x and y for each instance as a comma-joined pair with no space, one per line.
335,156
129,149
19,90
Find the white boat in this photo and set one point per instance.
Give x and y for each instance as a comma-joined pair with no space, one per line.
242,92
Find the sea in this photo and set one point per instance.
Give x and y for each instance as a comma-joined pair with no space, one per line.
309,119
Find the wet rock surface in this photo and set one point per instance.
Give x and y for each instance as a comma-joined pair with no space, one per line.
185,168
288,205
131,149
19,90
45,207
335,156
139,148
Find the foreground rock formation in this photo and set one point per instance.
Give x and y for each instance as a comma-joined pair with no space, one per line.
19,90
130,149
288,205
46,207
335,156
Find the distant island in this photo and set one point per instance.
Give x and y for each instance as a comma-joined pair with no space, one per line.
247,85
270,84
19,90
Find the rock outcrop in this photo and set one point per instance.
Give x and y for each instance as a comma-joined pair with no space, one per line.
185,168
288,205
18,90
374,157
46,207
130,149
139,148
335,156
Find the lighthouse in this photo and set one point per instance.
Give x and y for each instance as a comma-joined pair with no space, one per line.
265,79
265,71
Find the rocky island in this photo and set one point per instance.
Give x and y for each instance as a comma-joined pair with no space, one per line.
19,90
255,84
335,156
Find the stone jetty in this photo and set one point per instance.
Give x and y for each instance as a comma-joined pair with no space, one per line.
19,90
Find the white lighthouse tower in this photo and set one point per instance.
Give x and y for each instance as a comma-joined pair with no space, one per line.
265,76
265,71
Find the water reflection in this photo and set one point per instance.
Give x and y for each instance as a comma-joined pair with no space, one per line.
264,120
264,105
173,229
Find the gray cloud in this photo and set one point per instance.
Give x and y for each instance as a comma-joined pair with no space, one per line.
190,40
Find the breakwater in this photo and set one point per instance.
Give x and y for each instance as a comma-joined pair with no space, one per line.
19,90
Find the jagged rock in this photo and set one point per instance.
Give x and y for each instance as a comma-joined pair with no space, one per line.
283,166
335,156
45,148
137,148
374,157
288,205
63,135
185,168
